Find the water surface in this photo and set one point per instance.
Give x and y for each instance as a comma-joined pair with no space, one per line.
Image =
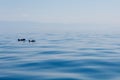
60,56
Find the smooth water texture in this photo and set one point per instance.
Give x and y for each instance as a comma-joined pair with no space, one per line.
60,56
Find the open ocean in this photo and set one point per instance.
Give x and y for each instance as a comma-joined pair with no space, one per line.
60,56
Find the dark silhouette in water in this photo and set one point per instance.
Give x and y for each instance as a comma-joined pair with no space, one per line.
31,40
22,39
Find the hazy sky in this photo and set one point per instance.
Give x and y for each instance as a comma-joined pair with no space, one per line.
21,15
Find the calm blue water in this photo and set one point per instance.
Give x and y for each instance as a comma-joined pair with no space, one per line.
60,56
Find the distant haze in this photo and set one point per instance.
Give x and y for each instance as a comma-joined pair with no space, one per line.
59,15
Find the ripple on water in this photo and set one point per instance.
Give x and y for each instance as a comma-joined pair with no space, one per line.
61,57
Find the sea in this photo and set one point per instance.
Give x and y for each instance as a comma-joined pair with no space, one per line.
60,56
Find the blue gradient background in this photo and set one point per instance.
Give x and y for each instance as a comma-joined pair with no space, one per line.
58,15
